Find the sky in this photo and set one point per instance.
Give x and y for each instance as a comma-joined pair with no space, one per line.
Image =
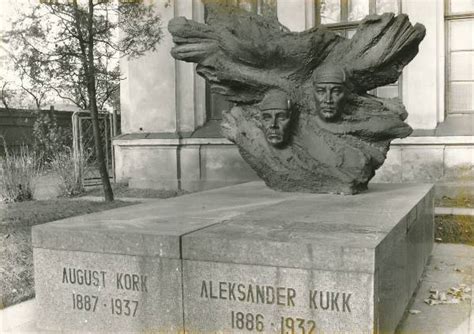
9,10
7,13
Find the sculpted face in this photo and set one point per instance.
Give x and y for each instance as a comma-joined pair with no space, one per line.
330,93
275,126
275,115
330,98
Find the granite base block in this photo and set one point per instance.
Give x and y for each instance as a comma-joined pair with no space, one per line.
80,291
241,259
225,298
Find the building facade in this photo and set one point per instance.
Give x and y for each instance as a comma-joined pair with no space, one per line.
170,122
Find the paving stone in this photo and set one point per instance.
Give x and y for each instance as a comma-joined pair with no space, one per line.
450,266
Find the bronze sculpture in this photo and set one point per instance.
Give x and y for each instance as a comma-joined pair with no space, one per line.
275,117
302,117
330,92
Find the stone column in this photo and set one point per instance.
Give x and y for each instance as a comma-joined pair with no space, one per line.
422,78
163,101
147,94
190,88
160,94
155,97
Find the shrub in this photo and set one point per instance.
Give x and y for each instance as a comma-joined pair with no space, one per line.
49,137
19,169
64,164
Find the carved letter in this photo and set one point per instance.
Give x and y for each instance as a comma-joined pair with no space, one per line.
291,294
65,276
119,281
334,298
312,299
345,302
324,307
143,283
204,290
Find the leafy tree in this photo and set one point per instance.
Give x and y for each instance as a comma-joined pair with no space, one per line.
49,137
72,48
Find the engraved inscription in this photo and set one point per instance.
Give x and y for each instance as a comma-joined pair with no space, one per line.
329,300
132,282
256,322
297,326
124,307
334,301
248,293
84,277
98,278
248,321
84,302
274,296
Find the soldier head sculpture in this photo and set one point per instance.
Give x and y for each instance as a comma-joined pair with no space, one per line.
275,116
330,92
333,135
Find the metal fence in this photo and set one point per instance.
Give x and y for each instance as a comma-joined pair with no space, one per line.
83,145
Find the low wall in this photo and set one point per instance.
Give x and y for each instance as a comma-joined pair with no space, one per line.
191,164
16,125
203,163
429,159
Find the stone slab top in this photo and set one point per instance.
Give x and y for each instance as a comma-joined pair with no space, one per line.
153,228
246,223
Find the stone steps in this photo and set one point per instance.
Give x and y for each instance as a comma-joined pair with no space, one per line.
454,211
454,190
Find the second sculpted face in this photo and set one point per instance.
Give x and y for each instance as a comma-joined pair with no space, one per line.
275,125
330,98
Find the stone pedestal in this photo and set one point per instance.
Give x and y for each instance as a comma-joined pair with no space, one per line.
238,259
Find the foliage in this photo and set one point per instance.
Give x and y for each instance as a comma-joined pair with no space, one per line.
50,43
66,165
19,170
49,137
455,229
72,47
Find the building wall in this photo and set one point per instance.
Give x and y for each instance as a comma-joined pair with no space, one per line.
191,164
420,77
159,94
429,159
163,101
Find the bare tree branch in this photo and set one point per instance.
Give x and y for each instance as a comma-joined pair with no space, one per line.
4,95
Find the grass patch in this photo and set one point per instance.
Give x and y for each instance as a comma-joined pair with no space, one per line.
16,252
462,201
455,229
19,169
122,191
